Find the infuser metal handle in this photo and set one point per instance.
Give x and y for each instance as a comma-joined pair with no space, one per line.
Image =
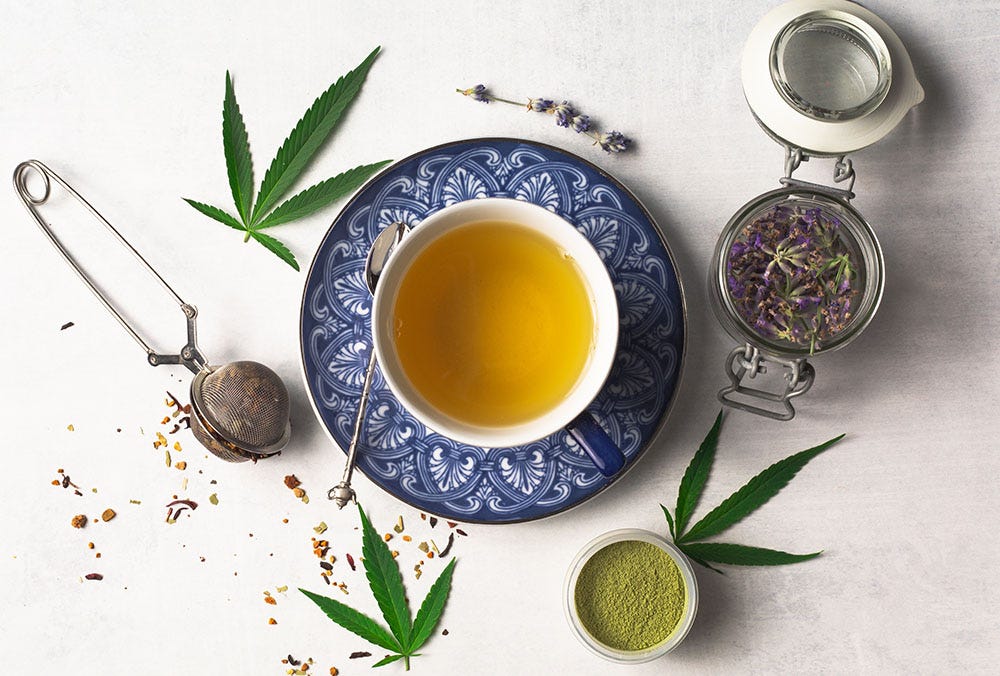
190,356
747,361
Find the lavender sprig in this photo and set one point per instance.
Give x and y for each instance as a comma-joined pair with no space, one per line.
792,276
565,116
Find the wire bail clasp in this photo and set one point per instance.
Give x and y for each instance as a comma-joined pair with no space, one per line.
747,361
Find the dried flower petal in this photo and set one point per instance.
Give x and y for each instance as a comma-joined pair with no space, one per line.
580,123
614,142
564,113
540,105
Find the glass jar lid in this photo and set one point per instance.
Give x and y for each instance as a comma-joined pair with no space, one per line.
827,76
797,272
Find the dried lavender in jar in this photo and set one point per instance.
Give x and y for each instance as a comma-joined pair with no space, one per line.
793,276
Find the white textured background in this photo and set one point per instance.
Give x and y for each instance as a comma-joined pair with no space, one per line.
124,99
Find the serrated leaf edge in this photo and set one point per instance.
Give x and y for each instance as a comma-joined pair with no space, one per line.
308,134
236,147
379,635
433,603
216,214
386,582
299,206
701,551
695,477
276,247
745,500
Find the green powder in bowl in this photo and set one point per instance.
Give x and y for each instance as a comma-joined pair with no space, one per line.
631,595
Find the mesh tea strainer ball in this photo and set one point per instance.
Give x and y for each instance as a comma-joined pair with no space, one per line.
239,410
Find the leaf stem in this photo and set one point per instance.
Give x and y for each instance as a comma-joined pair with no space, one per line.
246,238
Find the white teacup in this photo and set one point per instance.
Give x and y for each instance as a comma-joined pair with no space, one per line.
570,412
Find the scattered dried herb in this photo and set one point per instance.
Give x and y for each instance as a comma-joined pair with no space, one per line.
213,498
66,326
108,514
320,528
291,481
94,576
447,548
360,653
181,505
79,521
350,562
754,494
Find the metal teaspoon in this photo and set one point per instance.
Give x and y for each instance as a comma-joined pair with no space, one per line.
378,255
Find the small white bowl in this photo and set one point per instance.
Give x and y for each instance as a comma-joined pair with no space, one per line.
631,656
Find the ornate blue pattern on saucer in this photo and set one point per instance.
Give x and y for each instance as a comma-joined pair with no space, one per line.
436,474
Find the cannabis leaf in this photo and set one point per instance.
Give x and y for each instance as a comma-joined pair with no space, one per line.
741,555
733,509
385,581
405,635
310,133
696,476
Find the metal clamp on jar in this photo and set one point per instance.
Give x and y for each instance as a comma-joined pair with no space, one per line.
798,271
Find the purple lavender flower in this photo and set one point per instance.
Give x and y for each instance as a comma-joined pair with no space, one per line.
478,93
540,105
564,114
614,142
790,275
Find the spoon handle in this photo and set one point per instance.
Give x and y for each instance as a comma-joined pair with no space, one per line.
342,493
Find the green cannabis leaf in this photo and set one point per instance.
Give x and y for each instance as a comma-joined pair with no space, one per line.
308,136
696,476
405,635
733,509
742,555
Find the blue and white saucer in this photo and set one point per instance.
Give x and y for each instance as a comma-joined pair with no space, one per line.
436,474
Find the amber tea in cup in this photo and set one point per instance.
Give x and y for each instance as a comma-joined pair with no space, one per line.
493,323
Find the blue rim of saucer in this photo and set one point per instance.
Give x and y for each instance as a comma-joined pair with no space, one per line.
444,477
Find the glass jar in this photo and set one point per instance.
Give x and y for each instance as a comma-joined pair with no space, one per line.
797,271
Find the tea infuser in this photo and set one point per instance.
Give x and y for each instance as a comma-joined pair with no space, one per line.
823,78
240,410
